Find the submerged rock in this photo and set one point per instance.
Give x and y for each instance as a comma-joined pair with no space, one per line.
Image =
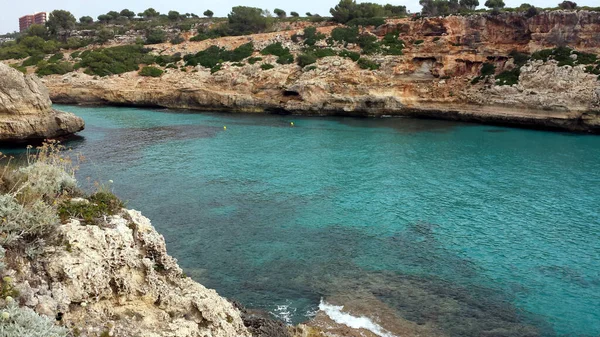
26,110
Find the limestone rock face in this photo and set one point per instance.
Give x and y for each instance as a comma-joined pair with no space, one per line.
26,110
118,278
432,78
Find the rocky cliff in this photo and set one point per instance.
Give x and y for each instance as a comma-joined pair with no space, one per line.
26,110
433,78
115,278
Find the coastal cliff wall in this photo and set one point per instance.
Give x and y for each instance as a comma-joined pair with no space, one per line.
433,78
26,110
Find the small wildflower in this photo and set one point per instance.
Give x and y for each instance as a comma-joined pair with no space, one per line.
110,181
7,279
84,304
9,299
5,315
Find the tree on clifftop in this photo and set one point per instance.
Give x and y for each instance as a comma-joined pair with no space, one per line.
494,4
208,13
37,30
280,13
247,20
149,13
469,4
61,22
103,18
174,15
127,13
294,14
86,20
567,5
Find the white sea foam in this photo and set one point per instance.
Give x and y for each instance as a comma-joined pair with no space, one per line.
284,312
337,315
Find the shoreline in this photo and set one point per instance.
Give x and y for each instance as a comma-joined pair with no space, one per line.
483,115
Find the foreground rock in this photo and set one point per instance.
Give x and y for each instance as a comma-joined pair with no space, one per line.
116,279
26,110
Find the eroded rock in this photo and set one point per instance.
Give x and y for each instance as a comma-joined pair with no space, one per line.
26,110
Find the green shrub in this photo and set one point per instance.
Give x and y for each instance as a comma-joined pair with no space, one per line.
323,52
156,36
151,72
285,59
305,59
418,42
75,54
364,63
32,60
253,60
310,68
563,56
115,60
163,60
542,55
266,66
520,59
56,57
25,224
59,68
393,43
210,34
435,39
275,49
508,77
488,69
90,211
238,64
368,43
214,55
216,68
349,54
247,20
23,321
311,36
593,70
345,35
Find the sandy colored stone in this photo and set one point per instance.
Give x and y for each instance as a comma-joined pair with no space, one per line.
26,110
118,277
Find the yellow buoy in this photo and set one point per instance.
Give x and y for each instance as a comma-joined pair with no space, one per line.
224,128
292,123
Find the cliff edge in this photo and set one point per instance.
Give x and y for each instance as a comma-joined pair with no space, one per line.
86,266
26,110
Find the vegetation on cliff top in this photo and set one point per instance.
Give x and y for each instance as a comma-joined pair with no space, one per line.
564,56
41,46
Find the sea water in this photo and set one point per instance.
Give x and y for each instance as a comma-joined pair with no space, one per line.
473,229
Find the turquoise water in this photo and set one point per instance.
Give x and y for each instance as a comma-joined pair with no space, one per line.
479,230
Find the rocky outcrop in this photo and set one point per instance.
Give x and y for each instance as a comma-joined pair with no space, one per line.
432,79
26,110
116,279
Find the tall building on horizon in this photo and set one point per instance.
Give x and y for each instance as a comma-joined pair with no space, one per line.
25,21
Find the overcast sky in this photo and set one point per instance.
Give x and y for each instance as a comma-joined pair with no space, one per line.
11,10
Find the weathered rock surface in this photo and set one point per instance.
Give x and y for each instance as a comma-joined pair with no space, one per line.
117,278
431,79
26,110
